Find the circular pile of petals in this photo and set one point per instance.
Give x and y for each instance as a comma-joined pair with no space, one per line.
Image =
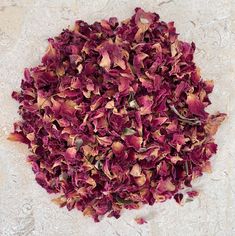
115,116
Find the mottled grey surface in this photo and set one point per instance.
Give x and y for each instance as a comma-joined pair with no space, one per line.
26,209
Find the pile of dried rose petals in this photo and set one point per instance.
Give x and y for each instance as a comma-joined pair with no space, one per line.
115,116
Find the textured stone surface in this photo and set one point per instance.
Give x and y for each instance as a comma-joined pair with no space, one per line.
26,209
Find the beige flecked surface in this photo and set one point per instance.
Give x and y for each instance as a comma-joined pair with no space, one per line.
25,208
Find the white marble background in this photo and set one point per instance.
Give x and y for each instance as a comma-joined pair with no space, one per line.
26,209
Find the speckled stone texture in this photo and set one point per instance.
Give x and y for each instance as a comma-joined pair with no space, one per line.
26,208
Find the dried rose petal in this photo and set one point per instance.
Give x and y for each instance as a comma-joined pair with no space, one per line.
196,106
178,197
115,116
193,193
136,170
17,136
118,148
133,141
140,220
214,122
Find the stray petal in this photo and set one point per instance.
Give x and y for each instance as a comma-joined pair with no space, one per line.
140,220
17,137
